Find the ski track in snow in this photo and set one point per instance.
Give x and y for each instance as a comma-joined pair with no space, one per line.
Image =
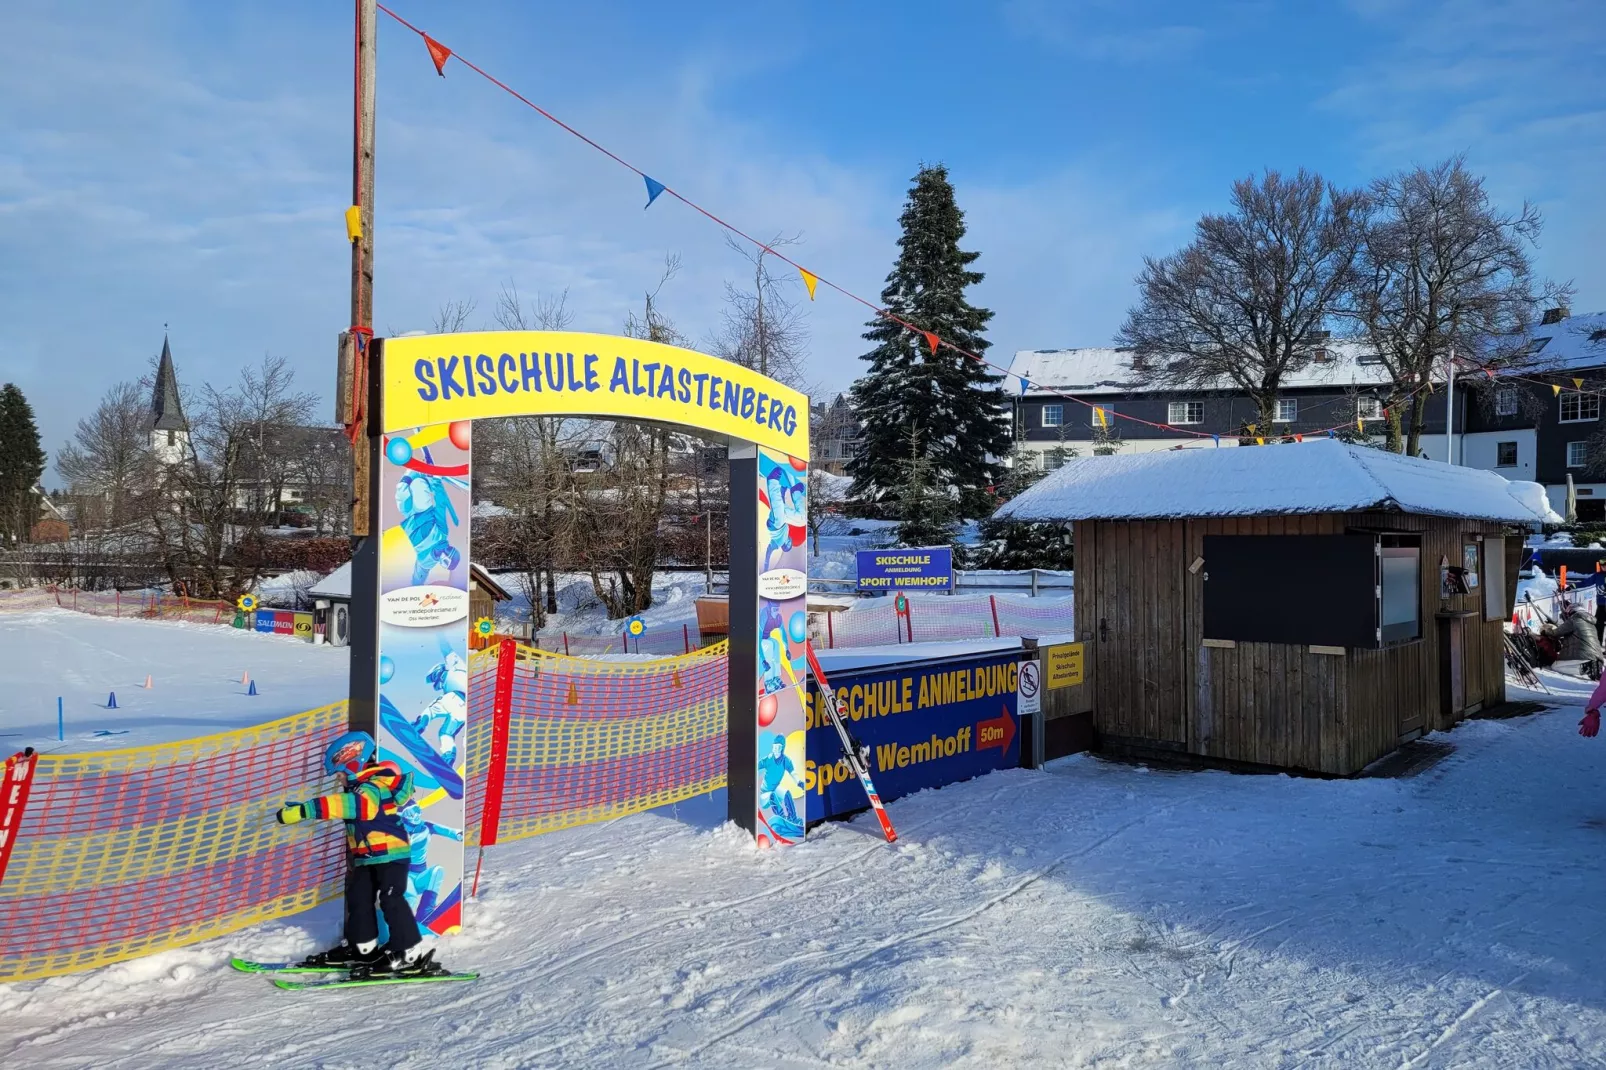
1089,914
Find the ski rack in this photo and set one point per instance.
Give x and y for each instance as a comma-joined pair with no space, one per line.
856,753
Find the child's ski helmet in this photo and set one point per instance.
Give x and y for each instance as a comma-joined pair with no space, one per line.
349,753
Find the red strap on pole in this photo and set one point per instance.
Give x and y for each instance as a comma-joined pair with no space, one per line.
16,779
997,631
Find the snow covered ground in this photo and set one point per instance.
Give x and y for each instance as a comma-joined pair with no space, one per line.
195,672
1087,914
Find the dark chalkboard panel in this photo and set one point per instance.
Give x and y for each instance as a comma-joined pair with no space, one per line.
1319,589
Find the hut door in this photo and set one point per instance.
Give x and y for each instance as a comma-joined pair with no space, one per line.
1452,687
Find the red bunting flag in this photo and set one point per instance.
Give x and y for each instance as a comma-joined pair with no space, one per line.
437,52
931,340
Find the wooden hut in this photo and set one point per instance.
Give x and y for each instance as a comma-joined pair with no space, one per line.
1304,606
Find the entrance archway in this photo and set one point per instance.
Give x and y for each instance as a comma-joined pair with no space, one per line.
409,647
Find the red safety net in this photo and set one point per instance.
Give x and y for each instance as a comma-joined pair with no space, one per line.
123,853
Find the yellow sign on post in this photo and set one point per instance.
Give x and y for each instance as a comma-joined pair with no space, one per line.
444,378
1064,665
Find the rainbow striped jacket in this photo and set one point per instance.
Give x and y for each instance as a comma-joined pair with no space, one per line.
371,809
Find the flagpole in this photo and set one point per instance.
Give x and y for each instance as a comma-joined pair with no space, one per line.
1449,413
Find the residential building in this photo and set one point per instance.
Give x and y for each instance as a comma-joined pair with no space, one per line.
832,429
1536,424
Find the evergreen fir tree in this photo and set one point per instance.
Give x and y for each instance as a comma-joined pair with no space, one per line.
22,461
928,515
907,384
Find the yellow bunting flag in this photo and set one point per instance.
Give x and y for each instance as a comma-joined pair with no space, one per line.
1100,419
1360,424
1251,428
1578,384
1555,388
810,279
1260,442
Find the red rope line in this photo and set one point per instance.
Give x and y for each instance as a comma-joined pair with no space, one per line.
819,279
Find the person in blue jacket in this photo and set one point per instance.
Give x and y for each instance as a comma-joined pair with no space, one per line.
380,852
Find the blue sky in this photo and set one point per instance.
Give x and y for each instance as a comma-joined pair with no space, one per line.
188,163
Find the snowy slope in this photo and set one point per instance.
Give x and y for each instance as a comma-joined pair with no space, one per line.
195,672
1087,914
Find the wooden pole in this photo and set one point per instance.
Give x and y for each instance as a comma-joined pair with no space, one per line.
362,250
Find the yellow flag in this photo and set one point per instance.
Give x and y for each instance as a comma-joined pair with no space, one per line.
1555,388
1099,419
810,279
1260,442
1578,384
1360,425
1251,428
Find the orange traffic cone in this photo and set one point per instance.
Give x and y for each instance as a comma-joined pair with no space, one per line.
574,695
147,681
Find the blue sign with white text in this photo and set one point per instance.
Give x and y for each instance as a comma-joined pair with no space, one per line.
920,568
926,724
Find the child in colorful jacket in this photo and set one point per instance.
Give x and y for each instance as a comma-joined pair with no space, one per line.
380,855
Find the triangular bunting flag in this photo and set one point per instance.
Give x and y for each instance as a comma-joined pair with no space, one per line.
1299,438
810,279
1332,435
439,53
1099,419
1260,442
1023,383
1555,388
1251,428
1578,384
931,340
1360,425
1217,438
1489,372
654,188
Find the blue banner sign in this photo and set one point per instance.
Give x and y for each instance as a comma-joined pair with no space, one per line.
921,568
926,724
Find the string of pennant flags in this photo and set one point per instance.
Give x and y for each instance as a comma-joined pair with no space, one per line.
440,54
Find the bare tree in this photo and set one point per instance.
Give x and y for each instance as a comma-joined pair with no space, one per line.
107,461
1246,300
1441,271
203,504
761,327
452,316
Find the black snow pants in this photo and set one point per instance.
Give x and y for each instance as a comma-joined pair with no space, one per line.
384,885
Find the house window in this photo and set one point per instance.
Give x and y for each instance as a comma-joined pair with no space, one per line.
1369,408
1053,415
1577,454
1577,406
1505,401
1401,616
1287,410
1505,455
1101,416
172,438
1185,412
1054,459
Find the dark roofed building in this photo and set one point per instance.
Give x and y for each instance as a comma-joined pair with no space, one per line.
170,432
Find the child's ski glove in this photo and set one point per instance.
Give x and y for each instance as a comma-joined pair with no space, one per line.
290,814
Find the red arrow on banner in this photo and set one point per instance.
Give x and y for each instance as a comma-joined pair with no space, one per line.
997,732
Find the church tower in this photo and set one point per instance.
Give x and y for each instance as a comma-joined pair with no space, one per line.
170,434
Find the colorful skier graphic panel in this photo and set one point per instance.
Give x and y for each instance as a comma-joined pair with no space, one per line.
782,631
423,652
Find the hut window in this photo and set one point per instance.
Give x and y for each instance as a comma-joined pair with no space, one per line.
1401,616
1494,579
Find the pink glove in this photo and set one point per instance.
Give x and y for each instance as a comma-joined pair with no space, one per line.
1590,725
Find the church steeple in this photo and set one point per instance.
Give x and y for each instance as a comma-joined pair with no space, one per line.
166,412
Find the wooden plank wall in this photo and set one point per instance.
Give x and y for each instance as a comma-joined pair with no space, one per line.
1131,617
1266,703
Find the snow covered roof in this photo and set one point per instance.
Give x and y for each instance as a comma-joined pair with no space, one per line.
1575,342
1315,477
338,584
1109,371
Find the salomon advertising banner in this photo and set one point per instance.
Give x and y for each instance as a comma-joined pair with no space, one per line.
923,568
925,724
423,652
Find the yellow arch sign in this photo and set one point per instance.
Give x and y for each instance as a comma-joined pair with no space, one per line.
444,378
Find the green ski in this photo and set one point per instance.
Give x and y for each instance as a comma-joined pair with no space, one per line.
347,982
250,966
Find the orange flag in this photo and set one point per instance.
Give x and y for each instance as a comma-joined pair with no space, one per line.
931,340
810,279
439,53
